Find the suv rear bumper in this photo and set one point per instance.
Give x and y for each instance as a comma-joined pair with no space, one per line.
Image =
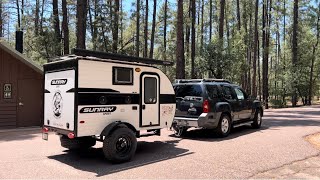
205,120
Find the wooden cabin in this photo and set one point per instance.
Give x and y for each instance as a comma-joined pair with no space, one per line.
21,89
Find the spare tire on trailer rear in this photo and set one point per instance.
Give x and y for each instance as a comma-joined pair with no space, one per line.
80,143
120,145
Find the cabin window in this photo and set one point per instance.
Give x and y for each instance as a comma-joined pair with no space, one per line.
150,90
122,76
7,91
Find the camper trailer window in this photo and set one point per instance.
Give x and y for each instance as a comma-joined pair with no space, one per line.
122,76
150,90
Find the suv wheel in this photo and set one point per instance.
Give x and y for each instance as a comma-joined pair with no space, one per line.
224,126
257,121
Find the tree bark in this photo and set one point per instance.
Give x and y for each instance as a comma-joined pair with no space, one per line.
1,19
255,50
315,46
145,51
138,29
221,23
153,28
36,20
41,20
165,33
81,23
238,15
193,36
180,66
202,25
295,48
115,32
210,20
65,27
18,14
56,24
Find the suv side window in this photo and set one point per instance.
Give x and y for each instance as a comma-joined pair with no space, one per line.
240,94
213,91
228,92
188,90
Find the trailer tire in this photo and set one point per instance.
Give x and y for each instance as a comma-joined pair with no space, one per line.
120,145
80,143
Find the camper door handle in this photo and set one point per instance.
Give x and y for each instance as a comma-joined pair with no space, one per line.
143,106
20,104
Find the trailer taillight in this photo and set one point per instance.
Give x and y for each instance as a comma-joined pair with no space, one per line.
206,106
71,135
45,129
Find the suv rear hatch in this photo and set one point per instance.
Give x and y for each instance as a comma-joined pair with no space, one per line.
189,100
59,99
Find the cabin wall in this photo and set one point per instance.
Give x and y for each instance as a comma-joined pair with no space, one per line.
13,71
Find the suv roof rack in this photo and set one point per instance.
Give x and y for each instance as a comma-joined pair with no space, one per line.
201,80
119,57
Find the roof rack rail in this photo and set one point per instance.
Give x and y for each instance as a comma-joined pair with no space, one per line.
201,80
119,57
216,80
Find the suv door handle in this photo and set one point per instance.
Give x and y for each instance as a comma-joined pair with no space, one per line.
143,106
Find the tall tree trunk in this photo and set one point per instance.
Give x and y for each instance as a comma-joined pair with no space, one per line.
187,41
153,28
65,27
1,19
255,50
36,19
138,29
18,14
193,36
315,46
202,25
165,32
42,17
56,26
180,66
115,32
81,23
295,48
210,20
221,23
265,54
284,53
227,24
145,51
238,15
121,24
91,24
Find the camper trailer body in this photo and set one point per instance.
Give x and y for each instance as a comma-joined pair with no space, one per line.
91,95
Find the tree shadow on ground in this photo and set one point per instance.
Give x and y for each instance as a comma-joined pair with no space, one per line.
147,153
19,135
210,135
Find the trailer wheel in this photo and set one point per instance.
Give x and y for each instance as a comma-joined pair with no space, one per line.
120,145
80,143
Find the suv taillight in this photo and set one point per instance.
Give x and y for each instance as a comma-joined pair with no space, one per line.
206,106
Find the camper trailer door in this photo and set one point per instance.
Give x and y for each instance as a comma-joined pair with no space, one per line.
150,100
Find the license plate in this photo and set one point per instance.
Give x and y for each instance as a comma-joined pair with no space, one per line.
45,136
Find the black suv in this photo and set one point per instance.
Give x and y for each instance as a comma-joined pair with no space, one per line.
213,104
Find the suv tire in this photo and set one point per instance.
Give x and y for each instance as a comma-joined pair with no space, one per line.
224,126
120,145
80,143
257,120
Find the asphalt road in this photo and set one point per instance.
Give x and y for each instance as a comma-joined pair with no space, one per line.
245,153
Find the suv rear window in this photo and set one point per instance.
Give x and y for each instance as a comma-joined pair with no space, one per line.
212,91
188,90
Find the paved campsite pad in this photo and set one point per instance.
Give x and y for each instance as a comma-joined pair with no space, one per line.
279,147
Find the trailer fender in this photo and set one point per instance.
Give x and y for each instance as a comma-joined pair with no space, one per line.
111,127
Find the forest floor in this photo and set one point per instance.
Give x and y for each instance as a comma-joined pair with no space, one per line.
280,149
